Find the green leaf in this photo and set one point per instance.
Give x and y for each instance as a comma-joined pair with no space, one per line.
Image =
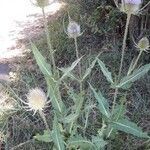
105,71
103,104
46,137
43,65
137,74
69,69
55,95
88,70
56,135
129,127
70,118
79,141
99,142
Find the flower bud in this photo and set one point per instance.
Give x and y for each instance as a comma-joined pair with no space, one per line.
143,44
73,29
131,6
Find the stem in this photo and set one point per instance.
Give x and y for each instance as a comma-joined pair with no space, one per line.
79,64
121,63
48,39
44,120
135,64
124,44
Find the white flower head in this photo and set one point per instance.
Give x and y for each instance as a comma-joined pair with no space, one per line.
131,6
42,3
36,100
73,29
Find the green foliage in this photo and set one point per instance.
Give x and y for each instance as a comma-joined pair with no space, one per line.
129,127
103,104
105,71
46,137
137,74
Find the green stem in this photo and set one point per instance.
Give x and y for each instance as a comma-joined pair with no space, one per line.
136,62
48,39
79,64
44,120
124,44
121,64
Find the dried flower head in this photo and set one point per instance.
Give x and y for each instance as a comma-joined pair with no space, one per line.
73,29
143,44
36,100
131,6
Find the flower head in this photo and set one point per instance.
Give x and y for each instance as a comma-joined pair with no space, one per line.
42,3
143,44
131,6
36,100
135,2
73,29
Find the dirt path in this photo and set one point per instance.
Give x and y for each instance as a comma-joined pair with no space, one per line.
15,16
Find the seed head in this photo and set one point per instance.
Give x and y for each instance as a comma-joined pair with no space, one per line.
73,29
131,6
143,44
36,100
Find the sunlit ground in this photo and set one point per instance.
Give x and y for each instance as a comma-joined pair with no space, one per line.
13,12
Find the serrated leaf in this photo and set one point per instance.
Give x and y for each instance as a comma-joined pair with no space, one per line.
88,70
69,69
129,127
103,104
105,71
79,141
55,96
137,74
56,136
46,137
43,65
98,142
70,118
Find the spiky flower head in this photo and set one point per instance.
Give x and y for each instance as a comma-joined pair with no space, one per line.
143,44
73,29
131,6
36,100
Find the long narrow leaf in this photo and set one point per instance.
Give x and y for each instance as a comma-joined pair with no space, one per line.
129,127
105,71
69,69
137,74
103,104
57,137
43,65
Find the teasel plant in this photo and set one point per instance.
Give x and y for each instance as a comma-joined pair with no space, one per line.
64,133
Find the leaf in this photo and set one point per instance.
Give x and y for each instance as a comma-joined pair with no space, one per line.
129,127
103,104
99,142
43,65
88,71
55,96
137,74
79,141
105,71
70,118
46,137
69,69
56,135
